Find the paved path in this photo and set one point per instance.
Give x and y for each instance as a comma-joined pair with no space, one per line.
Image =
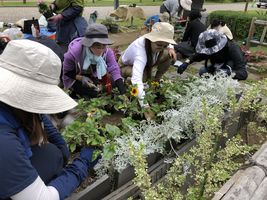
9,14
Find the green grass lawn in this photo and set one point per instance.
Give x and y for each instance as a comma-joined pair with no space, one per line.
89,3
97,2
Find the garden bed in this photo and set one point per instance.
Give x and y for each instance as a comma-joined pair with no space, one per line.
180,119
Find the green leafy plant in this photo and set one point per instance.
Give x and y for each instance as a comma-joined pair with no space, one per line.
44,9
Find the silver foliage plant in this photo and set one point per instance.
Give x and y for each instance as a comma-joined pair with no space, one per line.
177,123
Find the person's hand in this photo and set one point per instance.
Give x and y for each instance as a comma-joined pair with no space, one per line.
87,155
86,81
182,68
149,114
172,54
55,18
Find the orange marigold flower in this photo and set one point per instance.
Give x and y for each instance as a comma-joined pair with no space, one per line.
134,91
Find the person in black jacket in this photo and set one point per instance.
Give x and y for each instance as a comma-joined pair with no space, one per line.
224,56
193,29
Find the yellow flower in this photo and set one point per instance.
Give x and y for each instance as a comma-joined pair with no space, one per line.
92,113
155,83
134,91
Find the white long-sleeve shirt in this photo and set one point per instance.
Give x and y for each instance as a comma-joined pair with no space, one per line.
135,55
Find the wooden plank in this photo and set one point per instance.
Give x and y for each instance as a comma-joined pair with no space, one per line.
227,186
261,22
96,191
251,31
263,34
258,42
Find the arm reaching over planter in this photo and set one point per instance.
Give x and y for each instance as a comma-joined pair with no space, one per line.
90,60
32,151
225,56
145,53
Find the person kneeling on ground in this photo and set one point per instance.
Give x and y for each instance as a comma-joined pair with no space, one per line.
192,31
224,56
33,154
146,52
89,62
150,21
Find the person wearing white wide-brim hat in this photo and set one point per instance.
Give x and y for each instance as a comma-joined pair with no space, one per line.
33,154
145,53
220,26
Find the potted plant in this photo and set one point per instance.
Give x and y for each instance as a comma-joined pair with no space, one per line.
111,25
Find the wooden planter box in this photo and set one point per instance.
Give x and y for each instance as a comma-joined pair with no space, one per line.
96,191
123,185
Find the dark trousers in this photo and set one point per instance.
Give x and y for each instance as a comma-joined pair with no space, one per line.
48,161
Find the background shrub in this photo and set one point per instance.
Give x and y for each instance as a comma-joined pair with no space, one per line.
239,22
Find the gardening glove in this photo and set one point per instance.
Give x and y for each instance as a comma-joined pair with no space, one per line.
120,85
182,68
149,114
87,82
55,18
87,155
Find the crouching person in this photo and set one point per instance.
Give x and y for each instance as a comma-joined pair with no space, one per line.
224,56
89,66
145,53
33,154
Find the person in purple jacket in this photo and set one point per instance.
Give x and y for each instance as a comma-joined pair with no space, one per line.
89,66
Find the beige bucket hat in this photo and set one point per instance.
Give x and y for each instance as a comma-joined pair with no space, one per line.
164,17
186,4
29,77
161,31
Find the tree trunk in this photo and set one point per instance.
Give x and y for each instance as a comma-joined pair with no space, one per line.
246,6
24,1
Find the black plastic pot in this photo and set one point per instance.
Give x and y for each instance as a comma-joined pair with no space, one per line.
114,28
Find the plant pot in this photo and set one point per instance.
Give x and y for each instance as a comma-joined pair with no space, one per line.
114,28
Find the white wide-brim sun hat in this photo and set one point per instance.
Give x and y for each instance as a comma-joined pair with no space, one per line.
29,76
186,4
161,31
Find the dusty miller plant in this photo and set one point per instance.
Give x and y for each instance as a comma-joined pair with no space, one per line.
207,163
177,123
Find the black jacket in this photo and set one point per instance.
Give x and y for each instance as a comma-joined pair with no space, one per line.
193,30
232,57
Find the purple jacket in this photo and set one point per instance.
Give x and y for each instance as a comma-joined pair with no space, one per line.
73,61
